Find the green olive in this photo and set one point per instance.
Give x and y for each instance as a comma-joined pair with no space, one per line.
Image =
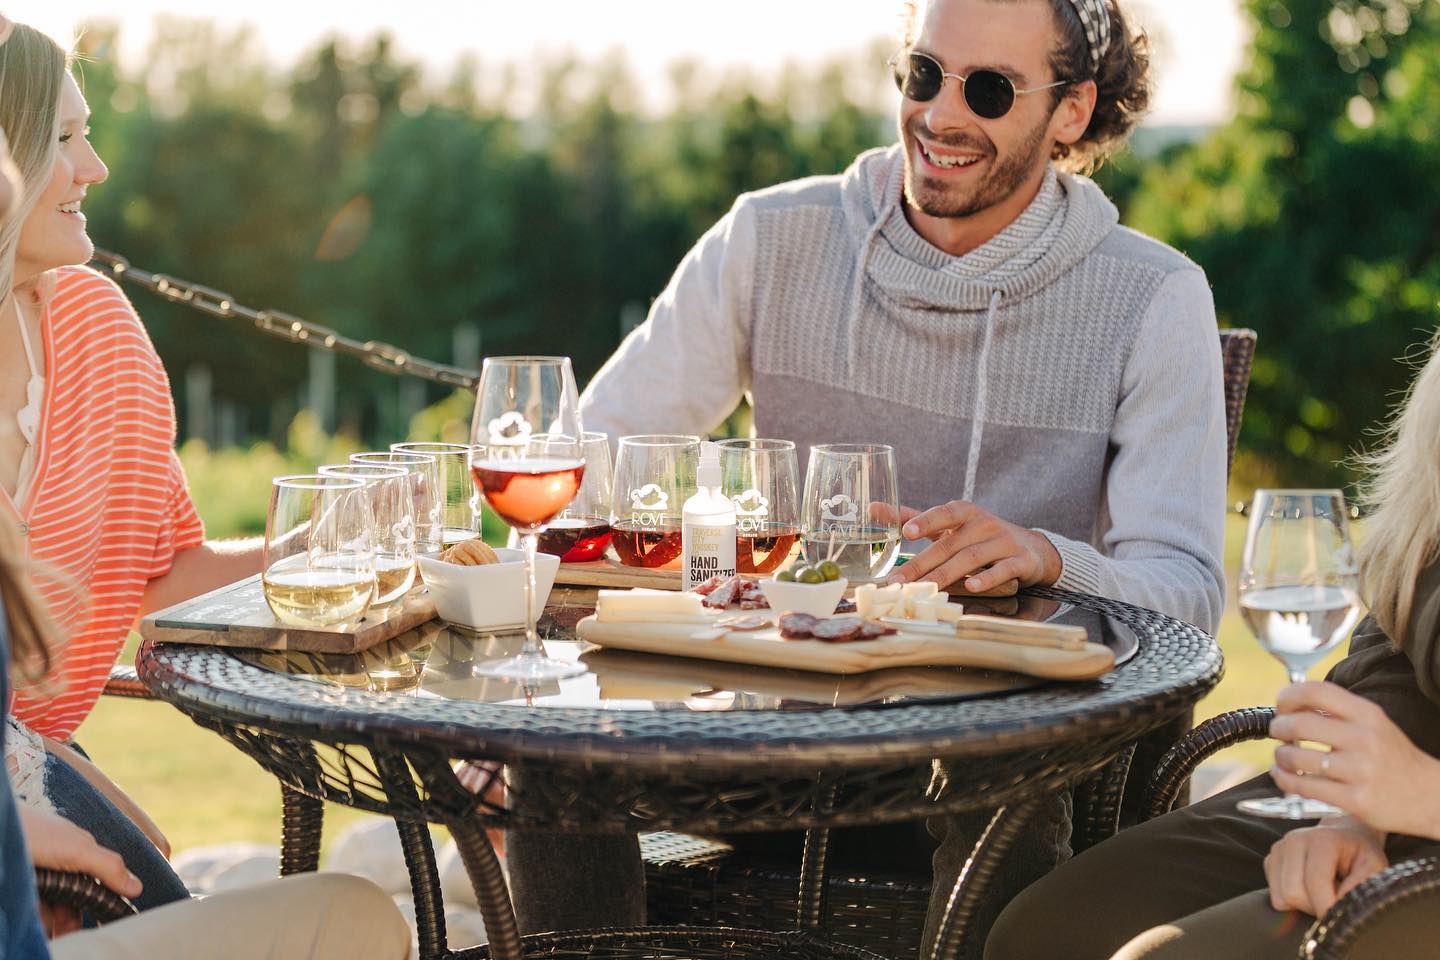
786,576
830,570
809,575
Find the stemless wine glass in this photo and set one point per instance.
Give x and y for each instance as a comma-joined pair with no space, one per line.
527,483
424,472
654,476
581,532
392,512
1299,595
460,518
761,477
848,488
319,557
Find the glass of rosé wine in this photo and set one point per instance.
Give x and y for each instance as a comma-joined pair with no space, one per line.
527,479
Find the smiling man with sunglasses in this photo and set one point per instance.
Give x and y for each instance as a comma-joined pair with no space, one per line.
1047,377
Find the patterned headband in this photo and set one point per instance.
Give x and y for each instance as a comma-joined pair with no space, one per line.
1095,18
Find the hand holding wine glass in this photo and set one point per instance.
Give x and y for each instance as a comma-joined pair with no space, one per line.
1299,595
527,481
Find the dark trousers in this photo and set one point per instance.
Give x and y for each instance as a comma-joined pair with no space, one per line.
568,882
1186,886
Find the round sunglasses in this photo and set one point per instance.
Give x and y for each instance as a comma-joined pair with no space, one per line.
988,93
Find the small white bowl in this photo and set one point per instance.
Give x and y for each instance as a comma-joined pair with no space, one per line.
489,596
816,599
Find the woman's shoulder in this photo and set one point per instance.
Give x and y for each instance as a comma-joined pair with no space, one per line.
81,290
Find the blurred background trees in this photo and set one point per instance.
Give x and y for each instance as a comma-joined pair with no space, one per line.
352,191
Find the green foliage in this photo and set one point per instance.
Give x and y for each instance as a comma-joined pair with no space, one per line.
1316,215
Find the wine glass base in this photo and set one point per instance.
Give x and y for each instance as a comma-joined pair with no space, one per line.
1287,808
528,668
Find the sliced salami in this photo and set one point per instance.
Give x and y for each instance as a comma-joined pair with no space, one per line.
759,603
873,630
797,626
708,587
838,629
720,597
846,606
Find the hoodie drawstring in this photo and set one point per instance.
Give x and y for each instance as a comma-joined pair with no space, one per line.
982,391
857,288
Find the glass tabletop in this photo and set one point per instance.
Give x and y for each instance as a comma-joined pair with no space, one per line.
436,660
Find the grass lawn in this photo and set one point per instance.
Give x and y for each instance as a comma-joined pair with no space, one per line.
200,790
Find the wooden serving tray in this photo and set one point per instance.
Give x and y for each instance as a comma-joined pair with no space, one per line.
766,648
614,575
238,616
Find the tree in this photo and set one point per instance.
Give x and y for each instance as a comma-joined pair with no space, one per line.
1316,216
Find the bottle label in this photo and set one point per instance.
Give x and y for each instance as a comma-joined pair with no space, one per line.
709,551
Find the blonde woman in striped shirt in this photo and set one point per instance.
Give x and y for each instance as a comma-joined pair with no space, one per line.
88,473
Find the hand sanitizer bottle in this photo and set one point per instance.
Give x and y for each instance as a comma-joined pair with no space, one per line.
707,535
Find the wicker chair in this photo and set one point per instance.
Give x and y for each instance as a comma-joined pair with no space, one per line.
81,893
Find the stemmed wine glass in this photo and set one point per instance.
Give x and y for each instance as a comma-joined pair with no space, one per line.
1299,595
527,481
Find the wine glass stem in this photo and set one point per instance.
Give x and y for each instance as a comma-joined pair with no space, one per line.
529,542
1294,801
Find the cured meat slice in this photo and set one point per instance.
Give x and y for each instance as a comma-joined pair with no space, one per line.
759,603
845,606
708,587
872,630
720,597
797,626
838,629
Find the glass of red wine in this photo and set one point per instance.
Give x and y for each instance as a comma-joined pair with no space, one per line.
581,532
527,480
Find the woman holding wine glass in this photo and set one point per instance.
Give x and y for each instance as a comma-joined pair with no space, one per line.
1216,880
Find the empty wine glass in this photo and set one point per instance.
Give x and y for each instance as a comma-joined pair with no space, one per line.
392,511
654,476
460,516
761,477
424,470
319,557
527,482
851,511
1299,595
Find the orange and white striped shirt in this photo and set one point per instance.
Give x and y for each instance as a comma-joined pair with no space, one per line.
107,504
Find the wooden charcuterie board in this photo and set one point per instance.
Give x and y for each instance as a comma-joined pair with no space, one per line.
614,575
237,615
767,648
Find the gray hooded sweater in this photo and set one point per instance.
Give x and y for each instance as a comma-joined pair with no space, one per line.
1065,376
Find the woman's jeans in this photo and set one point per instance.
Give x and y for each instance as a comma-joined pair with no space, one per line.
78,801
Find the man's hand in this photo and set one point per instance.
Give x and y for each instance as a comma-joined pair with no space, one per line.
1372,770
57,844
1310,868
974,550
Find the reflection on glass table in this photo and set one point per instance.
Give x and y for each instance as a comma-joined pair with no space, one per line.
437,660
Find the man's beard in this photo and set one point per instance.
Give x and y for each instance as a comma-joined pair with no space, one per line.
934,197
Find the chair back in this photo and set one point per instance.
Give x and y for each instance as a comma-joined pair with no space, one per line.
1237,352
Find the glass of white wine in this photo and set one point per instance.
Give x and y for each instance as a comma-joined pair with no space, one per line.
1299,595
851,509
319,555
388,495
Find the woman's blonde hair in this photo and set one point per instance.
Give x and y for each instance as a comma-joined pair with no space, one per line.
32,77
1402,534
30,627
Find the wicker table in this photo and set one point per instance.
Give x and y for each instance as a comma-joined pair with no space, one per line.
716,760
